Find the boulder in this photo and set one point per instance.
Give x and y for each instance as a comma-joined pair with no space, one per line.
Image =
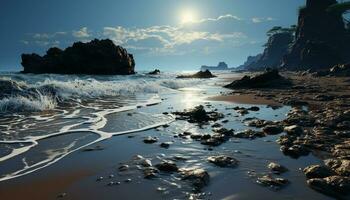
271,181
273,129
198,177
199,115
293,130
268,79
155,72
317,171
223,161
336,186
200,74
167,166
97,57
277,168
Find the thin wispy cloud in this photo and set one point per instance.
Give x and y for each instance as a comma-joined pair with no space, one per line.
82,33
262,19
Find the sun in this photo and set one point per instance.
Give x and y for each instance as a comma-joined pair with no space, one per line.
188,16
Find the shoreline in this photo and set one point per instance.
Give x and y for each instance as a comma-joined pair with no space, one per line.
253,154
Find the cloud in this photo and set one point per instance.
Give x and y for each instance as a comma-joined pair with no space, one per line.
203,36
262,19
82,33
167,39
228,16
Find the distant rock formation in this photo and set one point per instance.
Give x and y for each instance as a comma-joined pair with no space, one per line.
155,72
200,74
321,38
221,66
250,60
276,47
98,57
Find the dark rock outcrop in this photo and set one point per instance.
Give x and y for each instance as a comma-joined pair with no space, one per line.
276,47
269,79
155,72
99,57
200,74
321,38
221,66
250,60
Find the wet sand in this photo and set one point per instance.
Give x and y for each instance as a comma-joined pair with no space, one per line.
76,174
245,99
48,187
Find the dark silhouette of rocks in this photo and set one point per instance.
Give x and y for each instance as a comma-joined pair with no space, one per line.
321,38
250,60
276,47
99,57
155,72
221,66
200,74
269,79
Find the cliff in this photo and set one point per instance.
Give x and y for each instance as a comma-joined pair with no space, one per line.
276,47
100,57
250,60
321,38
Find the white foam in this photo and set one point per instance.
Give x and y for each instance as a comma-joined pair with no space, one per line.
22,104
97,122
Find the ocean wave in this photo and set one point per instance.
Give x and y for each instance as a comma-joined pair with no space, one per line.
27,104
44,93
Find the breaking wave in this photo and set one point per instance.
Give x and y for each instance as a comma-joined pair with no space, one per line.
45,92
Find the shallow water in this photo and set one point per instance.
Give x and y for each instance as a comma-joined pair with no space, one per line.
35,145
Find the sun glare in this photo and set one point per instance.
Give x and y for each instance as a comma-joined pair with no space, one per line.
188,16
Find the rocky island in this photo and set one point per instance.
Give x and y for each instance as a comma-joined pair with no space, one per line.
98,57
220,66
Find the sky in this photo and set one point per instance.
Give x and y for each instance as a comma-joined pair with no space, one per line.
170,35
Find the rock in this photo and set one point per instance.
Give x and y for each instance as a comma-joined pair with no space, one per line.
95,57
165,144
199,115
123,168
198,177
150,172
272,129
200,74
268,79
220,66
293,130
271,181
150,140
223,161
258,123
295,151
155,72
341,167
275,167
336,186
249,134
317,171
167,166
254,108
